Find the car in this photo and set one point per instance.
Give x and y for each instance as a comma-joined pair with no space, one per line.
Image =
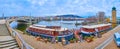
117,39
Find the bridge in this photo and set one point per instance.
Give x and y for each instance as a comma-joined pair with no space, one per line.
25,19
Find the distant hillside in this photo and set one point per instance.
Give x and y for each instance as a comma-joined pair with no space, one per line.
71,16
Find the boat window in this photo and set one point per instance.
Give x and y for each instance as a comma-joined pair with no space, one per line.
60,33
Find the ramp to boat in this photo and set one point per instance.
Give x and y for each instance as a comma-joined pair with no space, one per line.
76,34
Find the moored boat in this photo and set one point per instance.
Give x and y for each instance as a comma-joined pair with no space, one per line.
50,32
91,29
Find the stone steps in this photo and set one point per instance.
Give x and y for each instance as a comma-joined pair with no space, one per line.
7,42
12,47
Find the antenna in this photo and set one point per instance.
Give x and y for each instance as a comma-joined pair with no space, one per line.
3,15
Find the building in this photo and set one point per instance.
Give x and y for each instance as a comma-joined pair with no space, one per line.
92,19
101,17
114,21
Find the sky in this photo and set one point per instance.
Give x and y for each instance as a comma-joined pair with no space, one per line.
57,7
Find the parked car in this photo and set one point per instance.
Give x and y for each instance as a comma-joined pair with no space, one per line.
117,39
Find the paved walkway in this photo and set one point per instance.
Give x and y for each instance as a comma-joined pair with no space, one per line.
2,21
3,30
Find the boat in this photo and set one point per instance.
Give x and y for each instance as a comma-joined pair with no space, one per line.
91,29
71,22
49,31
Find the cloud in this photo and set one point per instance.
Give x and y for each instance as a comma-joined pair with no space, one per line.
38,2
57,7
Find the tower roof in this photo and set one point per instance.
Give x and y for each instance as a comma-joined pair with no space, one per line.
113,8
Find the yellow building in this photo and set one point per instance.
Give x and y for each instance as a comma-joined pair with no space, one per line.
114,22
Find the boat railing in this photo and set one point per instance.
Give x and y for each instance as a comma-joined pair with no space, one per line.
66,35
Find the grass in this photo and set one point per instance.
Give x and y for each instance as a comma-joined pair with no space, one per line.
22,27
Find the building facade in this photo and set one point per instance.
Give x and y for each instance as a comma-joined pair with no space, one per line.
101,17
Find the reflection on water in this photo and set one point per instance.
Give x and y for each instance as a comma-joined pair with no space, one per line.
13,24
65,24
22,27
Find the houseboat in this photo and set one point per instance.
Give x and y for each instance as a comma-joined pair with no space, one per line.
91,29
50,32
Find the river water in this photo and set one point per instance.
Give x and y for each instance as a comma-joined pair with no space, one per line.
64,24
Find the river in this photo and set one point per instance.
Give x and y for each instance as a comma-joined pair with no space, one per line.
64,24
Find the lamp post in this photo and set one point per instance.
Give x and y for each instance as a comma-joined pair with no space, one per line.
3,15
30,19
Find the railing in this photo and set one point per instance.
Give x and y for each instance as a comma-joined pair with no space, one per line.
20,41
22,44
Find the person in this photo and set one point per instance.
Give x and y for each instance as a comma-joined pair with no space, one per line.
96,32
81,37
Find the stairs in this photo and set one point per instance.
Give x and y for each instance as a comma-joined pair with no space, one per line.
7,42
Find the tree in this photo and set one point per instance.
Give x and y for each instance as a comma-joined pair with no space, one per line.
108,20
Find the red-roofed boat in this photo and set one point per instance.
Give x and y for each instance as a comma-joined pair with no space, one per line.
49,31
91,29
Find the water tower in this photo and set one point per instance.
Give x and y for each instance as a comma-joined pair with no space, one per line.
114,21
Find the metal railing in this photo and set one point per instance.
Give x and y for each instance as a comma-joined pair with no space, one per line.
22,44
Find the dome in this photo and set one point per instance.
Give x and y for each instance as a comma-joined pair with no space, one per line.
113,8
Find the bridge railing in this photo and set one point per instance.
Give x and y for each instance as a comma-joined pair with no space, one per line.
22,44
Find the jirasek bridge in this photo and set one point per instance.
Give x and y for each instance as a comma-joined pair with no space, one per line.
25,19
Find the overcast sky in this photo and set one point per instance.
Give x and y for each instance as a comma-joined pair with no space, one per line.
57,7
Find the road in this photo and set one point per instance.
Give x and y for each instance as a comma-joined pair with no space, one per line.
111,45
109,40
105,43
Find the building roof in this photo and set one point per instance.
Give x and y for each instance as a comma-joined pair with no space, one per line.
95,26
44,28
